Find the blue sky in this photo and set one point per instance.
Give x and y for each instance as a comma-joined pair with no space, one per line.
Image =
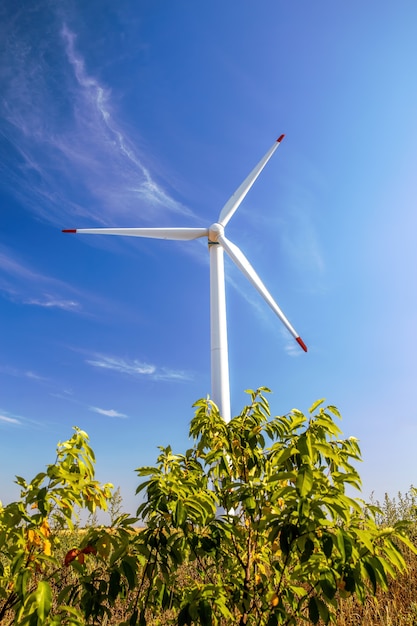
151,114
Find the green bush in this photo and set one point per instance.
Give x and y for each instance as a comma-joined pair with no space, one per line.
271,532
32,531
252,525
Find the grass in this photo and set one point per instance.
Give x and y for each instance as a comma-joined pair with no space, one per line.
397,606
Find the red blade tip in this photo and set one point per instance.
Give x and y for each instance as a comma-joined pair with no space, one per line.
301,343
71,230
280,138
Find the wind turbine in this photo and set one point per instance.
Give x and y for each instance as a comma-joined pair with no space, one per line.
217,243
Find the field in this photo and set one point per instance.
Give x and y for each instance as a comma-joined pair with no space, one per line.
251,536
395,607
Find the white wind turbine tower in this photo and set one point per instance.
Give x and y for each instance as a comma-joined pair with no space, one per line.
217,243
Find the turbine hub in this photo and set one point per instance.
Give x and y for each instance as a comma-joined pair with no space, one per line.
215,230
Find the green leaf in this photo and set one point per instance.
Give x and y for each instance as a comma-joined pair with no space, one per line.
371,575
117,554
129,570
313,610
21,481
205,613
287,536
315,405
305,448
304,481
350,583
407,542
327,543
323,610
43,599
114,585
273,620
379,570
335,411
250,503
308,550
328,587
180,513
22,581
184,617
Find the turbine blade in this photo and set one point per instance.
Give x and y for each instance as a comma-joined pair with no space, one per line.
153,233
243,264
233,203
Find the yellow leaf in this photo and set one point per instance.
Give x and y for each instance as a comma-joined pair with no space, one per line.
275,546
44,528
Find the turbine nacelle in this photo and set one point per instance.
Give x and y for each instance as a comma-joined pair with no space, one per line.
216,230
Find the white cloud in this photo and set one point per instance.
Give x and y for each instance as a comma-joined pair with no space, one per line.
25,285
120,365
34,376
9,420
291,347
135,367
107,412
12,371
96,99
51,302
68,157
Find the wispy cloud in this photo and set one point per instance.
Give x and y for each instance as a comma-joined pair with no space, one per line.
22,284
65,394
12,371
137,368
9,420
49,301
107,412
34,376
67,156
292,349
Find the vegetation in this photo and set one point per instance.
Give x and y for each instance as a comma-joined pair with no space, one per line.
252,525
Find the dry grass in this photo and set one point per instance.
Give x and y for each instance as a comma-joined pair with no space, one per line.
395,607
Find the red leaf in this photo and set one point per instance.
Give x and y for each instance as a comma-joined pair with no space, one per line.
89,550
71,555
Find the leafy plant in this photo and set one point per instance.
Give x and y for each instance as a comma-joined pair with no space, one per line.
252,525
395,509
32,531
269,529
115,506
